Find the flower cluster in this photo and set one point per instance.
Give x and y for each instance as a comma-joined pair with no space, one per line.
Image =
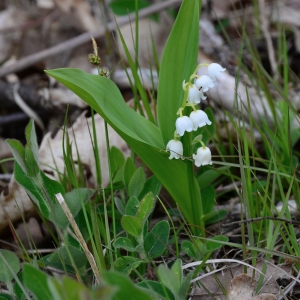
193,94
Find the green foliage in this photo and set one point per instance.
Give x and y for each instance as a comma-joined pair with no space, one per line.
136,183
74,200
206,177
145,207
36,282
125,289
156,289
64,258
129,169
39,187
5,297
117,163
46,287
148,244
66,288
124,243
157,239
132,206
9,265
173,279
132,225
152,185
126,264
199,249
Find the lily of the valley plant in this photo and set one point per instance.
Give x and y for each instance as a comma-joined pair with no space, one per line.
194,91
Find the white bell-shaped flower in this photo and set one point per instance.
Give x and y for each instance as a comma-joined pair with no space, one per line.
203,157
199,119
205,82
214,71
183,124
194,95
176,149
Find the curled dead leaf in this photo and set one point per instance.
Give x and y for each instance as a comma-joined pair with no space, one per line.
241,287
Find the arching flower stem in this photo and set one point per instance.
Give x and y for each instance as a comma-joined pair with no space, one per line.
186,93
192,106
199,66
179,111
203,145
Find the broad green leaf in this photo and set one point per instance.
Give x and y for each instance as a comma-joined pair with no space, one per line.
9,265
146,207
31,140
156,240
5,297
74,199
124,243
157,289
104,97
152,185
177,269
67,289
132,225
61,256
185,286
126,264
208,196
208,176
137,182
117,163
34,191
18,151
125,288
31,165
129,169
197,252
19,290
178,62
36,282
120,205
169,279
132,206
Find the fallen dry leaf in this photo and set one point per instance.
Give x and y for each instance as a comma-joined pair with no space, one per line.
241,287
51,151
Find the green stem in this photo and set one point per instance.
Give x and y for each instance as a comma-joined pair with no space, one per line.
111,185
195,196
